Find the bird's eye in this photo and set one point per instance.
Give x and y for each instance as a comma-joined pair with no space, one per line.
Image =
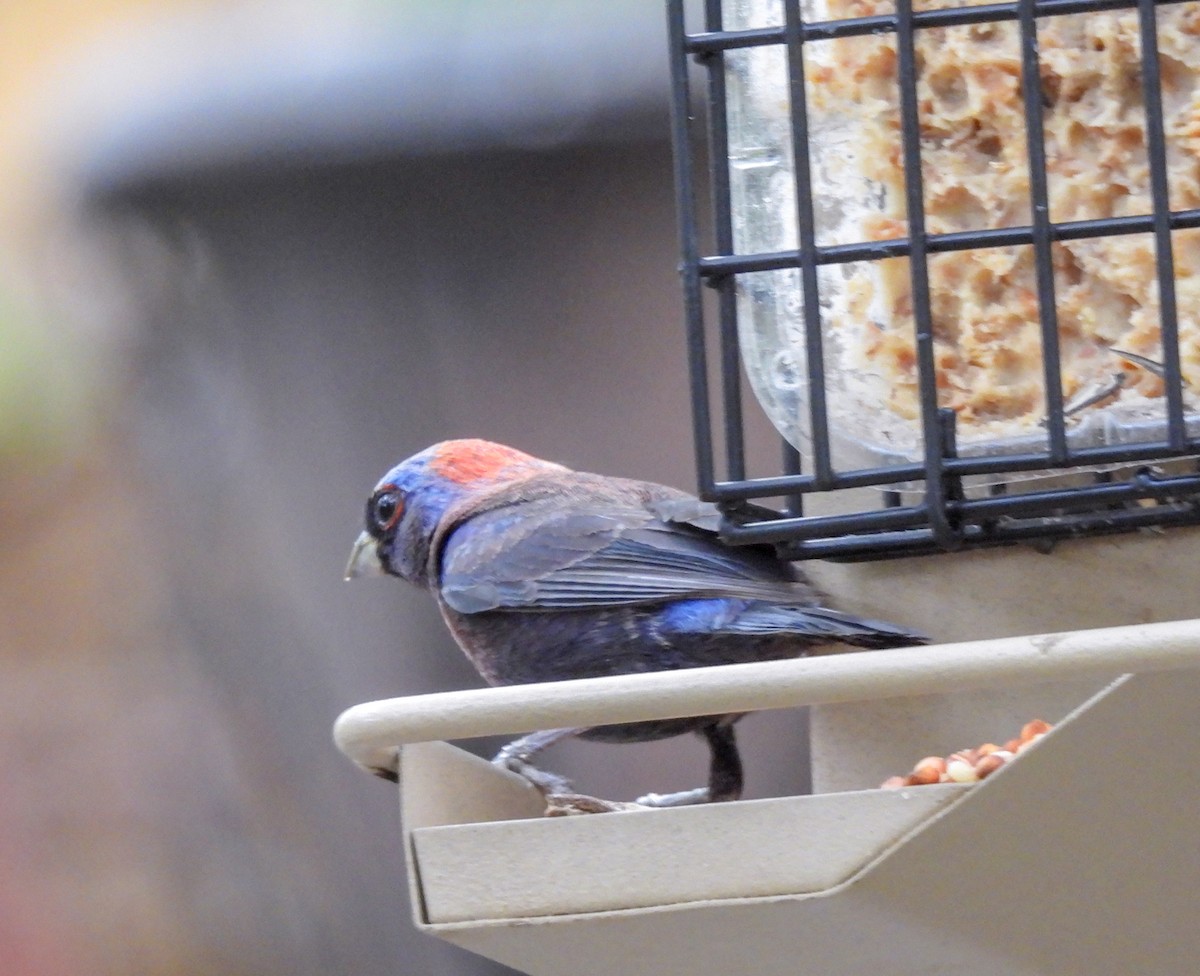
384,511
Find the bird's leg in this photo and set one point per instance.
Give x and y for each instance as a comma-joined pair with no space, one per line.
725,769
724,773
516,755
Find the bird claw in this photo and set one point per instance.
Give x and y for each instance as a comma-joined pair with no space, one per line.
700,794
515,757
549,784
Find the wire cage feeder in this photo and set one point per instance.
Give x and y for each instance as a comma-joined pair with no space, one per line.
956,252
858,279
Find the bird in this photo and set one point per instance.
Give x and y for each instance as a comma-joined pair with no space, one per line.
544,573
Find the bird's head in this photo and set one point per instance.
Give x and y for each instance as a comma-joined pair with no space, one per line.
410,502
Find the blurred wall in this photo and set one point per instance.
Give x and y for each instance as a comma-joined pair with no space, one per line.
255,284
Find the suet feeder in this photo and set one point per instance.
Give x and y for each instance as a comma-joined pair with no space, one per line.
891,189
955,250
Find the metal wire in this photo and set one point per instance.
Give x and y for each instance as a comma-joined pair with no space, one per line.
1156,152
944,516
1039,193
806,225
717,266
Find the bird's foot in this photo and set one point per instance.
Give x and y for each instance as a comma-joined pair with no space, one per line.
515,759
684,798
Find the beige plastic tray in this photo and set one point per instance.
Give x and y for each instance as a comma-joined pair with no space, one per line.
1080,857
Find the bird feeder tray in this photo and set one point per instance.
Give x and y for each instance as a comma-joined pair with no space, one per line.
536,868
1075,858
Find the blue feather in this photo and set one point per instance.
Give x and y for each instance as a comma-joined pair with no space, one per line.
725,615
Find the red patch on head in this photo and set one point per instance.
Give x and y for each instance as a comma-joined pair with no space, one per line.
468,461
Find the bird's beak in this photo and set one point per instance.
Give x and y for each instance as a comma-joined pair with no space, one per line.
364,560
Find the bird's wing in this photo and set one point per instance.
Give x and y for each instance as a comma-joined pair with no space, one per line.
594,549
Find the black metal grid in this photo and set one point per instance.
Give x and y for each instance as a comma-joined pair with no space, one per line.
945,517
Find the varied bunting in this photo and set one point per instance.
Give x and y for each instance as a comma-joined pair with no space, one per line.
543,573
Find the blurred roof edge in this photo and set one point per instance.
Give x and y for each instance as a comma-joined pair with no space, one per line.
224,103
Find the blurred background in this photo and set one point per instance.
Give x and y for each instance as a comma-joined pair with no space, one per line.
252,252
